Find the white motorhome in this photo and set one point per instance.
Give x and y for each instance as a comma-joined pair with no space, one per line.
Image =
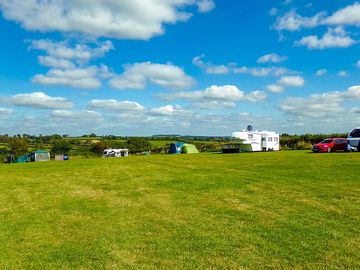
258,140
111,152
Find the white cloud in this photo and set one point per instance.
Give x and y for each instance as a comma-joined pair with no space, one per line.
169,110
256,96
272,57
85,115
346,16
273,12
228,93
50,61
343,73
126,19
358,64
115,105
137,75
291,81
214,105
205,5
333,38
321,72
320,105
291,21
69,64
209,67
275,88
5,111
64,51
40,100
77,77
262,72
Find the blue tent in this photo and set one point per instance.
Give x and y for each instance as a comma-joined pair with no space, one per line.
175,148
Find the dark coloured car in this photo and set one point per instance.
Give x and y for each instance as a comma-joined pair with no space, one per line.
331,145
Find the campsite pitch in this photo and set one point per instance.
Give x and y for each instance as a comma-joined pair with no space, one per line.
280,210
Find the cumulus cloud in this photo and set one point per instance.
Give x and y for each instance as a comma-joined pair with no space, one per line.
321,72
170,110
272,57
115,105
275,88
343,73
64,51
126,19
291,81
209,67
346,16
5,111
291,21
205,5
319,105
85,115
69,64
333,38
137,75
262,72
214,104
227,93
40,100
76,77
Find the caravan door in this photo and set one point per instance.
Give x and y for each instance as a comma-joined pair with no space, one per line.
263,142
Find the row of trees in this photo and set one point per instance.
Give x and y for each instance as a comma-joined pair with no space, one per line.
57,144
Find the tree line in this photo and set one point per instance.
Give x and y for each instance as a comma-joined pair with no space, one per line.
92,145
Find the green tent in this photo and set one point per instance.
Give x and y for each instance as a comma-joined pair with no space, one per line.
189,149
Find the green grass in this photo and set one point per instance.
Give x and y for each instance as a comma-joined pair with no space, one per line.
284,210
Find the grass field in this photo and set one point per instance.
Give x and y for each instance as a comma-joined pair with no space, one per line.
284,210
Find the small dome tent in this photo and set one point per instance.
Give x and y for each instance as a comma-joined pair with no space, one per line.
189,149
182,148
175,148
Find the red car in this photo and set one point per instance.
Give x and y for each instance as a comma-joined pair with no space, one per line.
331,145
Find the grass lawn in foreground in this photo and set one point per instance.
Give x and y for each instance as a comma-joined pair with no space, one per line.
288,210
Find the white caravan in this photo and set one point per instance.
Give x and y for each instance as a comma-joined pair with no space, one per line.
110,152
258,140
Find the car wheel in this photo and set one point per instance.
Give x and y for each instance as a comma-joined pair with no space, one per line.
358,147
329,149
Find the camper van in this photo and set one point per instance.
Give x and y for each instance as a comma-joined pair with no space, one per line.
110,152
252,141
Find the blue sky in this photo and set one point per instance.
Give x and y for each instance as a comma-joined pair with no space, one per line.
199,67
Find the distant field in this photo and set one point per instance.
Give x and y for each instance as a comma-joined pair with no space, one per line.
279,210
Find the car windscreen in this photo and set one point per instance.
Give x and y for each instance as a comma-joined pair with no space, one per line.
355,133
327,141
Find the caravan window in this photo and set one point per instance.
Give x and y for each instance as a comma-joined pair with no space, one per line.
270,139
276,139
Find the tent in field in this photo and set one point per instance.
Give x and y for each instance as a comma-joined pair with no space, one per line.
39,155
182,148
175,148
189,149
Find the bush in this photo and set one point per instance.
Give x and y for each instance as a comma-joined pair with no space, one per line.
302,145
18,146
61,147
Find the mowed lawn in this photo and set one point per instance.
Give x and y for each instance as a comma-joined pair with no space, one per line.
284,210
